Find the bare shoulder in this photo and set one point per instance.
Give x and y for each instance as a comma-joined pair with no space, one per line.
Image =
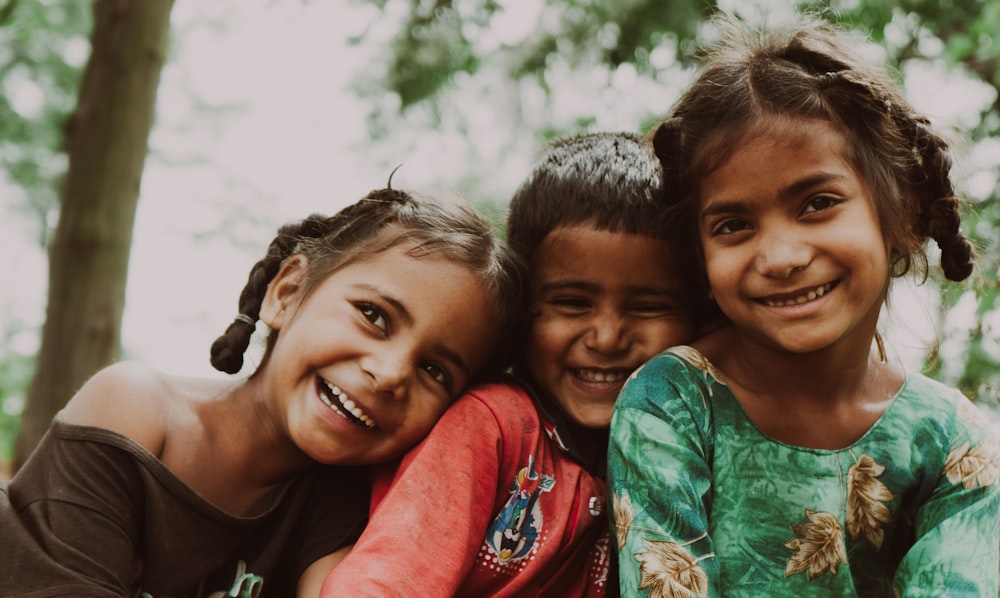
129,398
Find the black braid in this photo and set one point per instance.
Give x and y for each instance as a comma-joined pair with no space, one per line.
927,170
939,208
227,350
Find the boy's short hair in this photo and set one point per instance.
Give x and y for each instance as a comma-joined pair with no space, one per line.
609,180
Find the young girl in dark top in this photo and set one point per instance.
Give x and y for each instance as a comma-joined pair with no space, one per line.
149,484
784,454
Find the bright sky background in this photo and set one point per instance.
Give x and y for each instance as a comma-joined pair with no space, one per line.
216,188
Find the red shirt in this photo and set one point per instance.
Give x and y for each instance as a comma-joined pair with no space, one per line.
491,503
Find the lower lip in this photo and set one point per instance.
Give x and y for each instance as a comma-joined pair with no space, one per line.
597,387
330,414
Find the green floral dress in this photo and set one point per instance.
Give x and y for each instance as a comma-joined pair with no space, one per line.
706,505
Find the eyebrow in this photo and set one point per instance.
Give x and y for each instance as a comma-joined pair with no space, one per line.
404,314
407,318
455,358
594,287
796,188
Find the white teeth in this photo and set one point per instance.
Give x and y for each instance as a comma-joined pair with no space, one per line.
599,376
347,404
817,292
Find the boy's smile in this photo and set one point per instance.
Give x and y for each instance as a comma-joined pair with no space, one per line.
605,303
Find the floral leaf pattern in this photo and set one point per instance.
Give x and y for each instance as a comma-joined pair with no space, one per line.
866,513
669,571
668,454
624,514
974,466
819,546
971,414
692,356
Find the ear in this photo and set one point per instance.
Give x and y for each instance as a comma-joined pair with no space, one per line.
283,292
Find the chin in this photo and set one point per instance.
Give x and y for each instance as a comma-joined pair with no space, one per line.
593,421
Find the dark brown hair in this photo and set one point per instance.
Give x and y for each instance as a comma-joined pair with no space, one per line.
611,181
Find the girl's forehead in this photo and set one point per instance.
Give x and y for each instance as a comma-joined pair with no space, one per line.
765,130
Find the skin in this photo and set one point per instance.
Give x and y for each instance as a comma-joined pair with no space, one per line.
598,321
401,336
796,259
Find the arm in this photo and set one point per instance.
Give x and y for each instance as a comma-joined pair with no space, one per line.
312,578
660,485
423,537
958,528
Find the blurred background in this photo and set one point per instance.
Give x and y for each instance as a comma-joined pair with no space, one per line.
257,112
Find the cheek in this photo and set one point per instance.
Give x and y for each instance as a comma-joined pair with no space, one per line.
546,343
722,269
422,417
668,334
549,335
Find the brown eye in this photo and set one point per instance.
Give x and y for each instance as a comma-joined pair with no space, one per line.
374,315
570,305
819,204
438,373
729,227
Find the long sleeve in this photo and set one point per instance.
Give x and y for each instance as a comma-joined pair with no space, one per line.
423,536
661,486
958,528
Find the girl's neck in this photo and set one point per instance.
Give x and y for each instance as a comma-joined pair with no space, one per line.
821,399
230,451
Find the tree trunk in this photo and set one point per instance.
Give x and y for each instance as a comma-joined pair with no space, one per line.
107,141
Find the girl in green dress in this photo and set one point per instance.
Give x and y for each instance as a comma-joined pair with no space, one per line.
784,454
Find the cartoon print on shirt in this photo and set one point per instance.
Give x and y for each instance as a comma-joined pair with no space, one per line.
513,533
245,585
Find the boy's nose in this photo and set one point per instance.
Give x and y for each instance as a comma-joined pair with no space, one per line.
607,335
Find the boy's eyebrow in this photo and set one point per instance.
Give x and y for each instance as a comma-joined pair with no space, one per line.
796,188
570,284
407,318
594,287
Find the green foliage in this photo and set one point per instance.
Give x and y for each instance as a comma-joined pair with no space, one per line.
15,374
438,40
43,47
619,32
433,45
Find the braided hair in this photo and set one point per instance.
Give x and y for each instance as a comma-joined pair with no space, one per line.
807,69
381,220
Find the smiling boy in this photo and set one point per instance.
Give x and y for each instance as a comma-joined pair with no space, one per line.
506,496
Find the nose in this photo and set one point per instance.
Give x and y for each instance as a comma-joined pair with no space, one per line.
608,333
389,372
780,255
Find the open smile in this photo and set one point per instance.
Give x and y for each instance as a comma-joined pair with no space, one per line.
602,376
338,401
799,297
